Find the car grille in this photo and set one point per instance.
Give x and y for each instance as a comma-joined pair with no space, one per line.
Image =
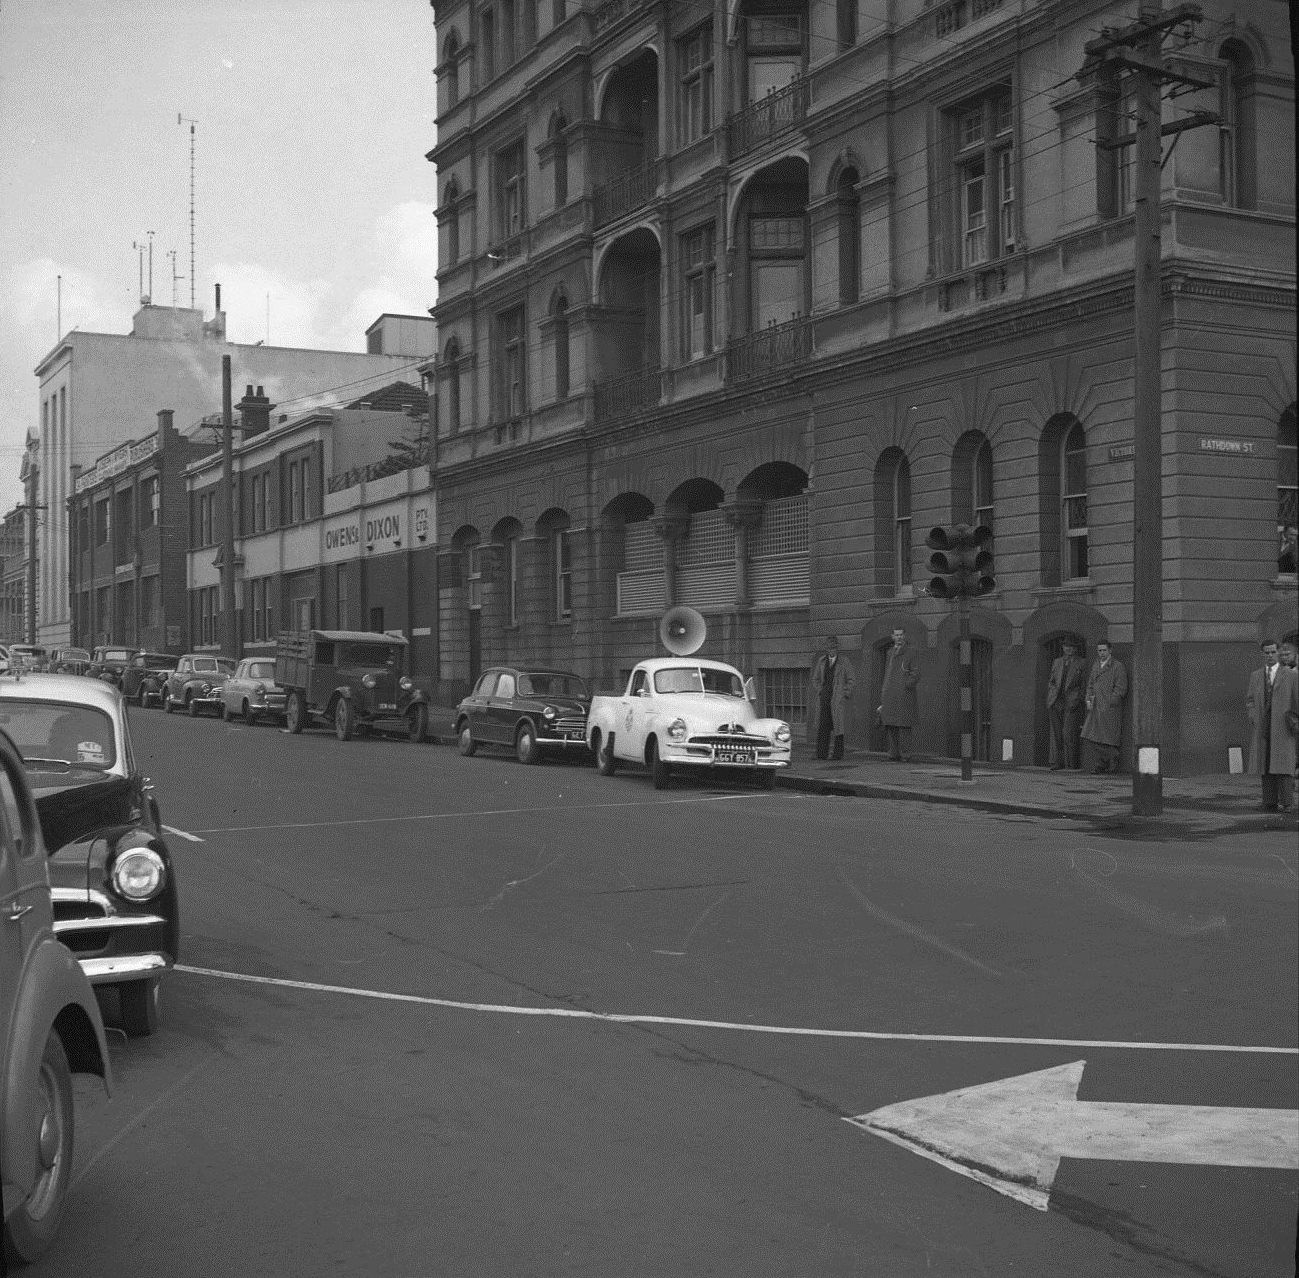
730,739
82,909
569,723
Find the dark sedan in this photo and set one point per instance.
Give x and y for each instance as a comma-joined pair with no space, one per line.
111,875
534,712
109,664
146,677
195,684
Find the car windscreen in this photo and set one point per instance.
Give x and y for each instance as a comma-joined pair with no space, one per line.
58,736
117,654
74,654
724,683
551,685
369,654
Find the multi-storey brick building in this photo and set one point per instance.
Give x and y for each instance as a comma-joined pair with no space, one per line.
737,301
13,576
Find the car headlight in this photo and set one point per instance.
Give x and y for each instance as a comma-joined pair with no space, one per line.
139,874
677,730
204,689
405,683
548,713
783,734
368,681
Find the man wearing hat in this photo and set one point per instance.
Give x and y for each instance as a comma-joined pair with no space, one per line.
832,684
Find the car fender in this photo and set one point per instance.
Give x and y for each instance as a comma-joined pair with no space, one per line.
54,994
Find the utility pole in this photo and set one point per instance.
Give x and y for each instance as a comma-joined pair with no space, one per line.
230,617
1137,51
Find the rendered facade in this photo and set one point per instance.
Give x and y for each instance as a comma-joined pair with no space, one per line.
737,301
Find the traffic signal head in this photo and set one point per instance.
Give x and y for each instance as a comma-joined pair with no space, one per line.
961,563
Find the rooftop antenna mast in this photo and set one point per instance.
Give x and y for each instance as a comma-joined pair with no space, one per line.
175,276
180,119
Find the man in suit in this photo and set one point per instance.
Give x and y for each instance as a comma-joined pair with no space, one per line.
1064,706
1272,702
897,708
1107,688
832,682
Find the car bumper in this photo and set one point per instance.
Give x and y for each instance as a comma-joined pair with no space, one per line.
126,967
110,945
211,702
707,757
577,742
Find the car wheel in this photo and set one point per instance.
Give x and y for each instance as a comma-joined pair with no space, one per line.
605,764
417,722
344,719
140,699
295,712
250,715
31,1227
465,742
191,707
525,745
166,702
225,711
659,770
139,1007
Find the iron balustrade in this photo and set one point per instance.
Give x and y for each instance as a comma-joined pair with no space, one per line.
627,395
769,350
761,121
630,190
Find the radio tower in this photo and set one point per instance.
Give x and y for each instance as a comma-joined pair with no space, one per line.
180,119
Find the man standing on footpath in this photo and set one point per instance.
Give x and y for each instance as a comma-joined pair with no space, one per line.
1064,707
1107,686
833,682
1273,705
897,708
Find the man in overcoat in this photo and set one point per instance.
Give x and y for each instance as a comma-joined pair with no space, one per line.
1272,702
832,683
897,708
1064,706
1107,688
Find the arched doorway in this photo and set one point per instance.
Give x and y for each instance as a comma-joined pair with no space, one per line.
1049,648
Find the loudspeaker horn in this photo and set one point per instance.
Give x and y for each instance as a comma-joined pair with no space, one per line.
682,631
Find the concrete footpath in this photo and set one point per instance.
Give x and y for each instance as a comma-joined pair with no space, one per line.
1194,807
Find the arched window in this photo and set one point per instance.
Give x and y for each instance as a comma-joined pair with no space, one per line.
1073,503
451,221
892,523
849,203
559,158
1287,492
1237,127
452,367
451,69
559,314
972,479
554,528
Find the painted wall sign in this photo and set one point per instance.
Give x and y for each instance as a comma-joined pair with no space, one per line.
341,539
1122,452
1231,447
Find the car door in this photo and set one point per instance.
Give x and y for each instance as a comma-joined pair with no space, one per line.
25,911
173,690
478,703
500,709
630,741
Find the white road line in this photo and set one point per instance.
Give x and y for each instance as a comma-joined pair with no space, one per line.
183,834
631,1018
463,816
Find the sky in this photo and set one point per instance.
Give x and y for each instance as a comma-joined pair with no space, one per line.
313,199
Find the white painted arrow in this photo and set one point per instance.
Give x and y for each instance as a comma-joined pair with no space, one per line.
1012,1133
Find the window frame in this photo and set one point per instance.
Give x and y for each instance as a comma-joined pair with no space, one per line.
698,291
512,363
561,558
984,160
1074,538
696,82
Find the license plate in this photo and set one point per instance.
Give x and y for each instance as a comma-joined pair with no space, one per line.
571,734
735,756
385,705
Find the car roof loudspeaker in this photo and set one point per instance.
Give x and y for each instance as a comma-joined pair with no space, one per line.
682,631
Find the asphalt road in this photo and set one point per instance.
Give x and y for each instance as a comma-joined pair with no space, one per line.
380,1058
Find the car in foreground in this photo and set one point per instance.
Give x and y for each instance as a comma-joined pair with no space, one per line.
73,661
534,712
109,664
353,679
50,1028
195,684
251,693
687,714
145,677
116,904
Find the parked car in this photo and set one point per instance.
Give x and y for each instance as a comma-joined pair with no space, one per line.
50,1028
350,678
687,714
195,684
532,711
251,693
28,656
116,904
144,677
110,663
74,661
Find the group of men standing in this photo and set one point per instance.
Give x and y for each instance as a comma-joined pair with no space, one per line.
1084,703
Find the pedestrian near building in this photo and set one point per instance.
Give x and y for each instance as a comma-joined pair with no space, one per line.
833,682
1107,688
1272,702
1065,690
897,708
1288,654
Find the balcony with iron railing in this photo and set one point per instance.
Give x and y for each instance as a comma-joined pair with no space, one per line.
628,191
628,395
761,121
771,350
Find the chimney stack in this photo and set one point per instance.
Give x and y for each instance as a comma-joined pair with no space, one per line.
254,412
165,416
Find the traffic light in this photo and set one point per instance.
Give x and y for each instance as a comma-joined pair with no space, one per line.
961,562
